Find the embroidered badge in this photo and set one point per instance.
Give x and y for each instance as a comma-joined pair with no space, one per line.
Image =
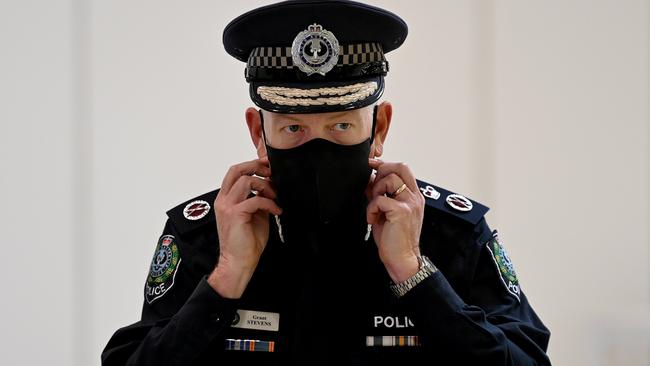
430,192
459,203
162,271
504,266
196,210
315,50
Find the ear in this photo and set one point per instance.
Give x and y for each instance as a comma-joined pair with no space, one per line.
382,125
254,123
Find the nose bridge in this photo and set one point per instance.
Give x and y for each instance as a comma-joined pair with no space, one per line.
317,129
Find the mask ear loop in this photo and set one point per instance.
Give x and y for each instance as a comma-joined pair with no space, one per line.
262,122
374,123
372,138
277,218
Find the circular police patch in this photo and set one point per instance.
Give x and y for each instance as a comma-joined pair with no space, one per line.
315,50
165,259
504,266
162,270
196,210
459,203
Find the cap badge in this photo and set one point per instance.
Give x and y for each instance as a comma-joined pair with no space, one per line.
315,50
459,203
196,210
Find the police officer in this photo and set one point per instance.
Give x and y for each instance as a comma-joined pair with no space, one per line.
317,252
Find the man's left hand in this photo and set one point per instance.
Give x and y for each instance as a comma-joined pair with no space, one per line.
395,213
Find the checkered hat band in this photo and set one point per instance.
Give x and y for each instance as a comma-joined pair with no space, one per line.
351,54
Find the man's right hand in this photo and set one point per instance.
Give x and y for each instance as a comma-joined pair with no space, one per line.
242,224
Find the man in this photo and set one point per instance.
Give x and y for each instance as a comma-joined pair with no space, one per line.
317,252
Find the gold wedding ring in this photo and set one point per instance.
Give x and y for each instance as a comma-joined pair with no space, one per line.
399,190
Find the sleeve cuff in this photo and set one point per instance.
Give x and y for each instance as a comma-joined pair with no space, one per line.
206,313
433,299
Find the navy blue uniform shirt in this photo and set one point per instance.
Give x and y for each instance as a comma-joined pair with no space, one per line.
333,306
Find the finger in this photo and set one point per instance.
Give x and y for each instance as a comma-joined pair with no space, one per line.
255,204
374,163
259,167
389,208
387,185
370,185
402,170
243,187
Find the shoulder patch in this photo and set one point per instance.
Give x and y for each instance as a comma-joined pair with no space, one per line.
193,213
504,266
452,203
162,272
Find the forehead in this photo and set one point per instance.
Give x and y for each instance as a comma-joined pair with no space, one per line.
359,114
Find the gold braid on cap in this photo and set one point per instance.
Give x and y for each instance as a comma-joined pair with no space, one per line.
319,96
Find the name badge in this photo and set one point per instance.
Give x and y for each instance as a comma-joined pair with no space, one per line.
259,320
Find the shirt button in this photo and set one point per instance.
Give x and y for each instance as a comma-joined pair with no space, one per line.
215,318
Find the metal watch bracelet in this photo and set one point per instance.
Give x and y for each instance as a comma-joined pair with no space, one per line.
426,269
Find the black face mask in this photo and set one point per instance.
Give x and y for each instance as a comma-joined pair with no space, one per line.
321,184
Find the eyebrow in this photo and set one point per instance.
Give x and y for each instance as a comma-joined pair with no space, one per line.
333,115
282,117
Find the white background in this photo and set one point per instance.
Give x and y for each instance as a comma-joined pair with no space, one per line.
114,111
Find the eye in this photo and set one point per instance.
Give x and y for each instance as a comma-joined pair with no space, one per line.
342,126
292,128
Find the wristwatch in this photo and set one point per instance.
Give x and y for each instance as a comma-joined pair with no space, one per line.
426,269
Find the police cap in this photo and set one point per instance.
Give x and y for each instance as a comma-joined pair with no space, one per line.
313,56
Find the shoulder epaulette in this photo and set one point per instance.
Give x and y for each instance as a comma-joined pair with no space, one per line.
455,204
193,213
